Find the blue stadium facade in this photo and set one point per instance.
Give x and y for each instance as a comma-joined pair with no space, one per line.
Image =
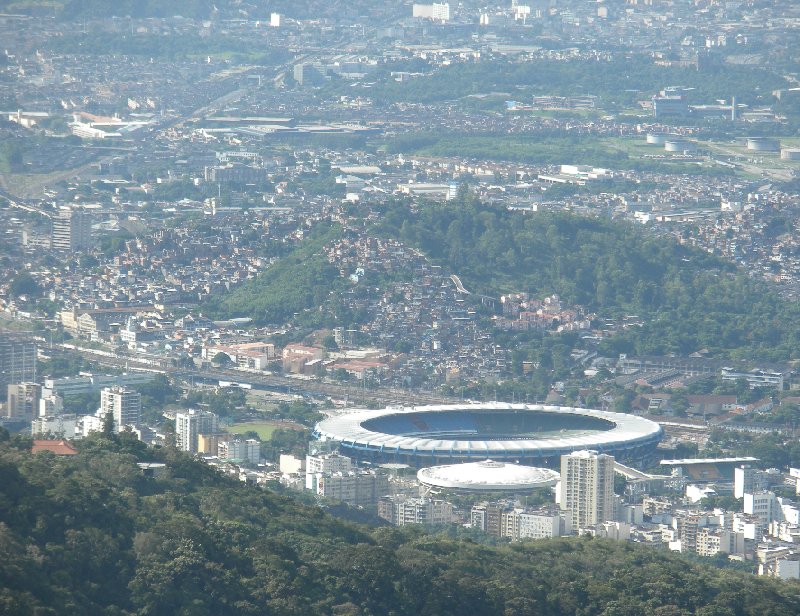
523,433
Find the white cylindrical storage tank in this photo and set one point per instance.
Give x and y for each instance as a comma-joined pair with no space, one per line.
656,138
790,153
763,144
680,145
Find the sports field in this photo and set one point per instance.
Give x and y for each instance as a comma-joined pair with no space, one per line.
264,429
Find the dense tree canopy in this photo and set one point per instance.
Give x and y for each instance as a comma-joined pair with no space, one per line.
24,284
298,281
91,534
619,80
686,298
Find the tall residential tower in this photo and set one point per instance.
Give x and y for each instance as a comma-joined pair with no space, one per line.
124,404
189,424
587,487
71,230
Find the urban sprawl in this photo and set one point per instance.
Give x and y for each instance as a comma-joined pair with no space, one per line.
153,170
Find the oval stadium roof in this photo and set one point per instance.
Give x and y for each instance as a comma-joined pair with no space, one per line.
620,433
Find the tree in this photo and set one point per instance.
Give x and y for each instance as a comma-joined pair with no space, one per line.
108,424
221,359
622,402
11,155
341,375
25,284
679,403
403,346
88,261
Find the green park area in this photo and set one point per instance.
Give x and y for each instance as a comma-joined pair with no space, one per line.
264,429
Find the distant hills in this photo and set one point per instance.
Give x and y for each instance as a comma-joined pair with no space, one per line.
71,9
90,534
197,9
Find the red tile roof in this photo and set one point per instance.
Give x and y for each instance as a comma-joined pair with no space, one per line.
60,448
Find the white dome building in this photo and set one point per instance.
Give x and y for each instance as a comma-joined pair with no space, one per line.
487,476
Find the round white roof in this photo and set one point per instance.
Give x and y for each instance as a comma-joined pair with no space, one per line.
487,475
349,429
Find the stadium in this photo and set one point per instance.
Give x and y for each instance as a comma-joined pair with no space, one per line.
529,434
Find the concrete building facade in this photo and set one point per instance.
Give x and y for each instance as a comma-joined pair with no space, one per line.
190,424
125,406
23,401
587,488
402,510
17,360
71,230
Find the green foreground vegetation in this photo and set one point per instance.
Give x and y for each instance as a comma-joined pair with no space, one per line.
90,534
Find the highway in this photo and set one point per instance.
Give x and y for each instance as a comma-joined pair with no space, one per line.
774,168
309,387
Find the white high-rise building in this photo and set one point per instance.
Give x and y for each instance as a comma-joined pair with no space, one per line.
356,488
71,230
764,505
587,488
240,450
189,424
58,426
50,404
540,524
325,463
748,480
424,511
435,11
125,405
404,510
743,480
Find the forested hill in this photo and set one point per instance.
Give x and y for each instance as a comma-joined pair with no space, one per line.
90,534
299,280
687,299
620,79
